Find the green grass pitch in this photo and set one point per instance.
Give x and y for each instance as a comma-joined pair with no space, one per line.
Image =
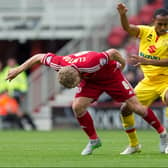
61,148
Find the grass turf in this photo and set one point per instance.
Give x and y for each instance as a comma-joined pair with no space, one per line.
61,148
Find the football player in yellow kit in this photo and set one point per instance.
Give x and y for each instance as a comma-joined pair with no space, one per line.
153,60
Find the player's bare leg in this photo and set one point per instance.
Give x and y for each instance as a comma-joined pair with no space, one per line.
85,120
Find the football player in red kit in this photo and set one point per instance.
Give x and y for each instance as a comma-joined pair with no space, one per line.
93,73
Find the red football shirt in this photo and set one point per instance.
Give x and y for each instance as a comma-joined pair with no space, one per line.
99,74
92,65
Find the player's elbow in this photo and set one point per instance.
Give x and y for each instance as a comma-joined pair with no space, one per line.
112,51
38,57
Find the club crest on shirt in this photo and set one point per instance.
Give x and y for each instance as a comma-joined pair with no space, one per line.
48,60
103,61
149,37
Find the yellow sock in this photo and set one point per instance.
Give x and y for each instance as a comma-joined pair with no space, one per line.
129,126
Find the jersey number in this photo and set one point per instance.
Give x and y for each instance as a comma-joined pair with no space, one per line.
126,85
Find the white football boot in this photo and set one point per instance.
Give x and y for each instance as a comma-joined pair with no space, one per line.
164,143
166,150
92,145
130,150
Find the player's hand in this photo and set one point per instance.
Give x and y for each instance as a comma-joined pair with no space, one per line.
137,60
120,66
12,73
122,9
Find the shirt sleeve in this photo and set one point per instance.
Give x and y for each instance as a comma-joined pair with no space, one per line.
106,55
91,62
143,30
46,60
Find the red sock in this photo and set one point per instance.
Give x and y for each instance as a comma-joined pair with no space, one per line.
87,125
153,121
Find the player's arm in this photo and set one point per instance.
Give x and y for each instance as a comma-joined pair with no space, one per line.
138,60
27,64
133,30
115,55
162,62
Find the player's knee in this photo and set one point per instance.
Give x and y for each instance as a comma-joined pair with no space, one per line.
78,109
139,109
166,99
135,106
125,111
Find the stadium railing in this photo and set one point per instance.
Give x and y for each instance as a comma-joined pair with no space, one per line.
94,38
48,19
42,83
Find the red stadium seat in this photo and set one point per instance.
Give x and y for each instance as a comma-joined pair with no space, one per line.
134,20
117,37
158,4
146,14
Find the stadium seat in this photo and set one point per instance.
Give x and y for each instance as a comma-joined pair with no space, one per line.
161,2
117,37
145,14
158,4
134,20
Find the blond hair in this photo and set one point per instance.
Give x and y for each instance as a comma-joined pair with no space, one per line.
68,76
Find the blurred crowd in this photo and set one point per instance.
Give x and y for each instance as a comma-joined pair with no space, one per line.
118,38
12,95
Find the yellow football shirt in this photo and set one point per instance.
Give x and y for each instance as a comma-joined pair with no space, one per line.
155,47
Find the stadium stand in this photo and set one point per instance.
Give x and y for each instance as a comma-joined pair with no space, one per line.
85,25
117,37
48,19
134,20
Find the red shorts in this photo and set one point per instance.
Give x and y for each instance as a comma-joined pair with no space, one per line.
117,87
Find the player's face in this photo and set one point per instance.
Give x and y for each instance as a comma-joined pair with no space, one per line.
161,24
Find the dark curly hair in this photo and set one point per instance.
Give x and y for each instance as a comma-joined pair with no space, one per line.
161,11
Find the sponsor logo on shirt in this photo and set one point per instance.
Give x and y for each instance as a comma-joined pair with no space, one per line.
149,56
152,49
103,61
